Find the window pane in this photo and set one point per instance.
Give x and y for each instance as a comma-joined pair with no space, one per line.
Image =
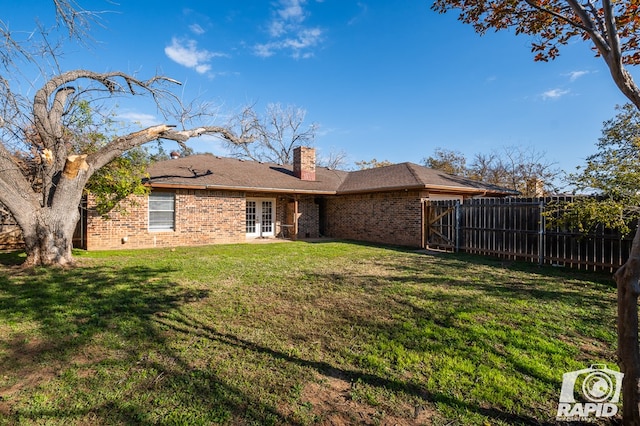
251,217
267,217
161,204
161,211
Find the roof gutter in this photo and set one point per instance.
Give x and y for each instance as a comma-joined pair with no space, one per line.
439,188
241,188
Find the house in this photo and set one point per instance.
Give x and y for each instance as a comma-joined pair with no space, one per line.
205,199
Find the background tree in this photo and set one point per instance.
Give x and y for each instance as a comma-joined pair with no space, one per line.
334,160
274,135
522,169
613,29
46,156
372,164
612,175
449,161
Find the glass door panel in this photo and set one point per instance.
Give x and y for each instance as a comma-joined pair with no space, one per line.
260,218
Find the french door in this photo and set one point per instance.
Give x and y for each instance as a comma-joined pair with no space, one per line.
260,215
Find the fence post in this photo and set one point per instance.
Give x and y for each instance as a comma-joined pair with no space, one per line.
458,220
541,234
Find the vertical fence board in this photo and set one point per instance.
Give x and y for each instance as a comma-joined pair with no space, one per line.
515,228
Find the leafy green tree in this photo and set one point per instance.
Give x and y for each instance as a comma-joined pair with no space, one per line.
87,132
372,164
449,161
611,175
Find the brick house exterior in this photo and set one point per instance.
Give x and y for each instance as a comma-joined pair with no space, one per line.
225,211
212,200
383,217
205,199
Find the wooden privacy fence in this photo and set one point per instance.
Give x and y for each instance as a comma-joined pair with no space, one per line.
516,228
10,234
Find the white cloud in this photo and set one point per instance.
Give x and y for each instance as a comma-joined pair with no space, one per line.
203,68
574,75
277,28
141,119
186,53
196,29
305,38
363,11
211,144
554,94
298,45
264,50
291,10
288,32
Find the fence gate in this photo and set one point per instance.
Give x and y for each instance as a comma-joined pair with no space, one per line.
441,224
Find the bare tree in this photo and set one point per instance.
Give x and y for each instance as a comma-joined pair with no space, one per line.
43,171
525,170
335,160
274,135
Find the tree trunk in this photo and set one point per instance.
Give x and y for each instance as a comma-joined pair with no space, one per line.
628,351
49,237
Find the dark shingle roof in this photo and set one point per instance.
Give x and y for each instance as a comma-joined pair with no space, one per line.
413,176
211,172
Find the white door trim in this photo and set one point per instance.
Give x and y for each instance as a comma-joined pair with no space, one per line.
260,217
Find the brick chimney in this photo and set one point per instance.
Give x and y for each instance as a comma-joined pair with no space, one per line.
304,163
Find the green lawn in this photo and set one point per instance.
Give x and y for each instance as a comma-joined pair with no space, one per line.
295,333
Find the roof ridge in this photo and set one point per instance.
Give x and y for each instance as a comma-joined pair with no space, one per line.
414,173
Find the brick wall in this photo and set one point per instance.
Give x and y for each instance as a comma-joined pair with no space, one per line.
308,218
214,217
201,217
388,218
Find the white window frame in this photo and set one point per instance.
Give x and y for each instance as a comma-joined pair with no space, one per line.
164,196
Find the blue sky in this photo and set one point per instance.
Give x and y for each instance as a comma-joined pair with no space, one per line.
385,80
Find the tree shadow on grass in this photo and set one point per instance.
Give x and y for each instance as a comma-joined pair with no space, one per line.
185,324
480,320
55,317
12,258
83,346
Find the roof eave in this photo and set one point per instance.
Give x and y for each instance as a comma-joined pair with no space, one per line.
383,189
162,185
435,188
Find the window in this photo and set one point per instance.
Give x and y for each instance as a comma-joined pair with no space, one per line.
162,211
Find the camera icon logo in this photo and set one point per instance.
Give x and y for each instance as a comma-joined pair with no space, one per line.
590,391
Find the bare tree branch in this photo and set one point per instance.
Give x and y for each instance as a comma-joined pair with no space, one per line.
273,137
